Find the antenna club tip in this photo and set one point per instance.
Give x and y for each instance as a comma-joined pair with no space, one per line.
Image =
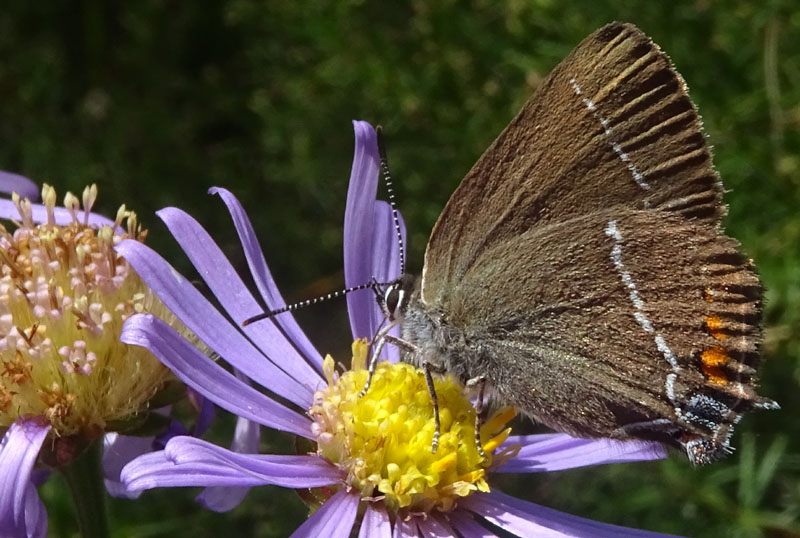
258,317
381,145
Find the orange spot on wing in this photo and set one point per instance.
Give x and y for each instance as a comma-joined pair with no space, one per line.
708,295
713,359
714,326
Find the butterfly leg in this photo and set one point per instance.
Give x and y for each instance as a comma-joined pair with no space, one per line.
379,340
429,369
657,425
480,410
403,344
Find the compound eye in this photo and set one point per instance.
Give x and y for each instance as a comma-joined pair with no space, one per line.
392,300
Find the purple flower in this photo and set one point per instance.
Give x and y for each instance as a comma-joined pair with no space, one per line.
359,440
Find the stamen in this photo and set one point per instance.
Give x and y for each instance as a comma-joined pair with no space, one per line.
382,440
64,294
49,200
89,198
73,205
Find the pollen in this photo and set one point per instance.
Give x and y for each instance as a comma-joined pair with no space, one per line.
383,440
64,294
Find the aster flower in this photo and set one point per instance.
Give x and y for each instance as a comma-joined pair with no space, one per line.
65,378
372,455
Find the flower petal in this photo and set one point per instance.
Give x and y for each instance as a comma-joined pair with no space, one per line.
206,322
334,519
527,519
405,528
39,214
245,440
226,285
358,230
118,451
185,449
385,262
207,409
187,461
153,470
209,378
10,182
263,278
375,523
18,453
35,513
466,525
554,452
434,527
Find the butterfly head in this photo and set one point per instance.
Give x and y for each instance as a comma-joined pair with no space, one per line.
394,299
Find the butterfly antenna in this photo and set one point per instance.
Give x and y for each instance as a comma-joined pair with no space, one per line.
387,179
373,284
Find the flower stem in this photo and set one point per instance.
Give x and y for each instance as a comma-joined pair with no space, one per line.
85,479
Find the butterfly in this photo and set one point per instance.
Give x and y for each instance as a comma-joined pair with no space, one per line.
579,272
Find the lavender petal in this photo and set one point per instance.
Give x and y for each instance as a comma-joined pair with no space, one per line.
183,450
434,527
179,466
334,519
467,527
245,440
10,182
62,217
385,262
375,523
208,378
358,232
207,410
189,306
35,513
118,451
263,278
405,528
226,285
554,452
18,453
527,519
166,474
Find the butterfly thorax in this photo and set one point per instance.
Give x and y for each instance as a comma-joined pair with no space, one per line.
447,347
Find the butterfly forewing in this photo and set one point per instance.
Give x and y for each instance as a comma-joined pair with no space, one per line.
611,125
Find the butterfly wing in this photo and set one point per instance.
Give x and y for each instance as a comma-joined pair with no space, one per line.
612,125
622,323
580,266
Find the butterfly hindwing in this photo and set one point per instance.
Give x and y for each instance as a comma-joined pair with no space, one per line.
622,323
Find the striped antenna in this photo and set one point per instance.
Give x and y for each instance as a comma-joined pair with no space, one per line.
374,285
387,179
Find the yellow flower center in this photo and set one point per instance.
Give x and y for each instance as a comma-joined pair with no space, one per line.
64,294
383,440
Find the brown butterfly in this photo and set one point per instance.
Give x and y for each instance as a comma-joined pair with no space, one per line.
580,273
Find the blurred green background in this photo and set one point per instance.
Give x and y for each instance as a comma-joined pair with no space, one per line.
158,100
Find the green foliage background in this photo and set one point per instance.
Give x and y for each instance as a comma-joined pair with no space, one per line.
158,100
